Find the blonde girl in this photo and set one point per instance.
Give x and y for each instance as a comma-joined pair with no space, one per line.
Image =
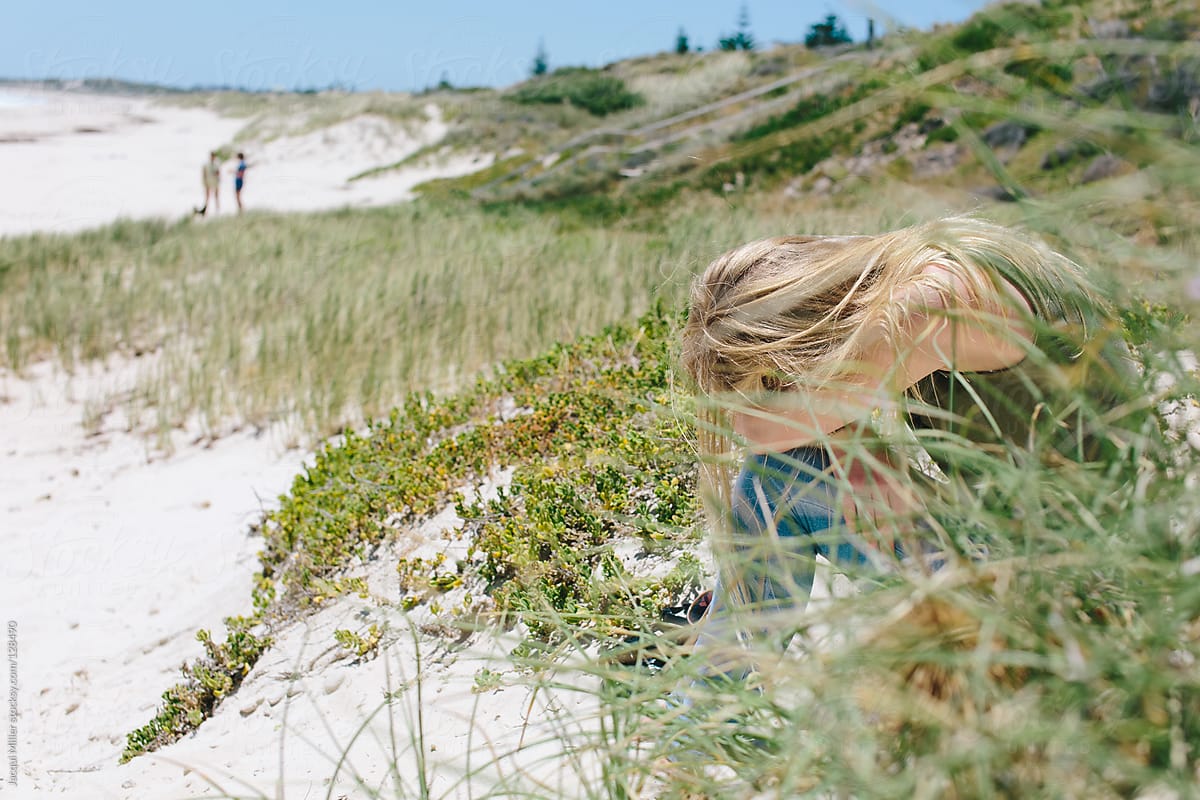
956,330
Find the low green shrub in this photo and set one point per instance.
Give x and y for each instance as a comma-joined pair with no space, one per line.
942,133
1043,73
206,682
545,546
998,26
543,549
359,645
589,89
811,108
790,160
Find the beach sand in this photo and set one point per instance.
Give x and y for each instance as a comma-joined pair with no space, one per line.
73,161
114,555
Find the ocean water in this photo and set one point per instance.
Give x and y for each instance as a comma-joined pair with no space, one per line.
17,99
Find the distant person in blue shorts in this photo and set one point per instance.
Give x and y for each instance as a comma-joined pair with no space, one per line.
239,179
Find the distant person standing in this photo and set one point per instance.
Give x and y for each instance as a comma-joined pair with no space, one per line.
239,180
211,174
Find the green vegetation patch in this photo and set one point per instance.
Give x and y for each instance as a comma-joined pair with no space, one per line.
589,89
812,108
584,406
545,546
797,157
784,162
595,461
206,682
994,27
461,186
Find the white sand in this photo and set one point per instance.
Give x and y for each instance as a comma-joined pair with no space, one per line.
311,171
303,705
114,556
71,161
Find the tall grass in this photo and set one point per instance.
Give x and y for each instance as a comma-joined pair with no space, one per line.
330,319
678,84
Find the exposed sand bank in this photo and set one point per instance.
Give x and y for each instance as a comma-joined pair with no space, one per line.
114,555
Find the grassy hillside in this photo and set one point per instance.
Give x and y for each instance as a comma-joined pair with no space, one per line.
1063,665
915,109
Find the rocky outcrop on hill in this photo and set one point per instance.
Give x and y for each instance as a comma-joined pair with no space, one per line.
909,144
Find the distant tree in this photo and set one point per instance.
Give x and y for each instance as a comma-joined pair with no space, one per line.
743,39
541,62
823,34
444,84
681,42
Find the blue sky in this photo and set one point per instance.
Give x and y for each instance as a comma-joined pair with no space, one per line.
391,45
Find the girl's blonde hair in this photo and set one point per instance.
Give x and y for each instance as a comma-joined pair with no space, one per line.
773,311
792,311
